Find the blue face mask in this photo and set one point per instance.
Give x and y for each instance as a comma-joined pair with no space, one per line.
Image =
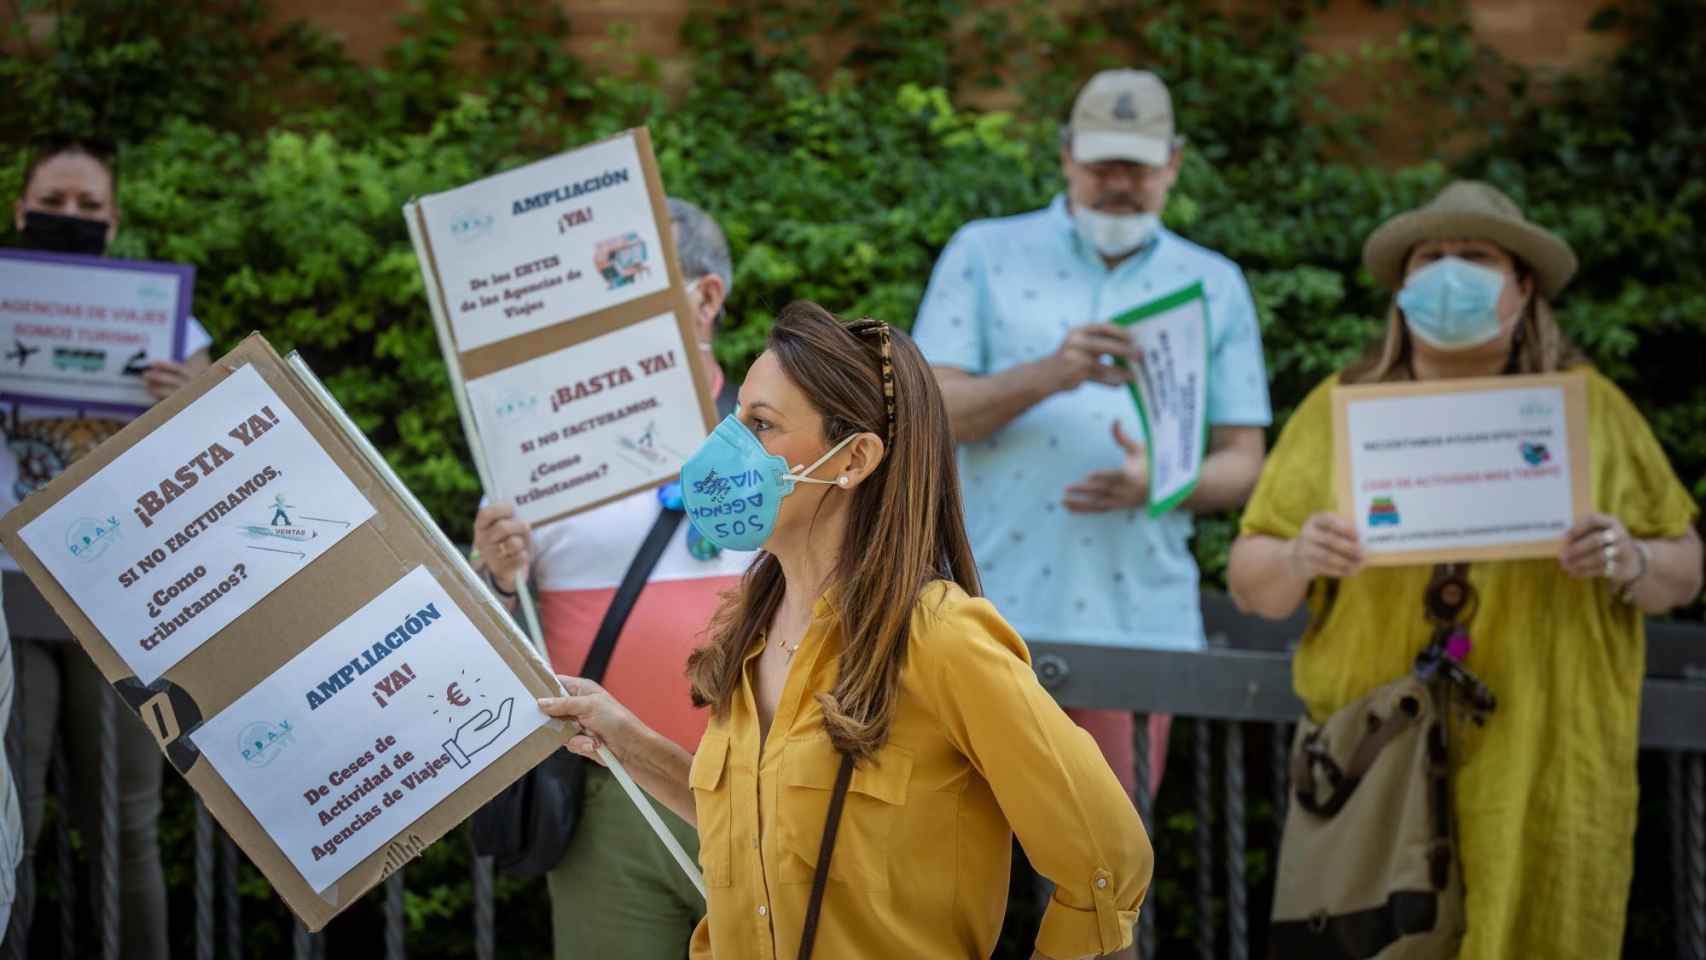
1453,304
732,487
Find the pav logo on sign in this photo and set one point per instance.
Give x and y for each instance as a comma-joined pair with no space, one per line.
88,537
262,742
516,404
471,225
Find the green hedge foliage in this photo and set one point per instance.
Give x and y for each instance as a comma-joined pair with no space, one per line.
839,145
277,166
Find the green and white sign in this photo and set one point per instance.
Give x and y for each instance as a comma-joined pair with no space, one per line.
1171,390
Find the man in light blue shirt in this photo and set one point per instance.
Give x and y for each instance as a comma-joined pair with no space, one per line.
1016,325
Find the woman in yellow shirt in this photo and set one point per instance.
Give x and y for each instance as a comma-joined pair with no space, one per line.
859,632
1544,794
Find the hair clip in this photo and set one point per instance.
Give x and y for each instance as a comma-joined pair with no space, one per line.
865,325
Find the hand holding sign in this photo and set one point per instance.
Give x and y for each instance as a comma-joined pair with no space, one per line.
504,542
1124,489
162,378
1327,546
1079,357
603,721
1599,545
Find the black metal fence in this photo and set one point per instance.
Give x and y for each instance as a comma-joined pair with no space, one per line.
1243,683
1227,694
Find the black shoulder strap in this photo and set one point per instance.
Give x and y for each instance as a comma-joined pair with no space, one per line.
616,616
826,849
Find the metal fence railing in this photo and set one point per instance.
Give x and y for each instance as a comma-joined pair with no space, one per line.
1226,694
1243,682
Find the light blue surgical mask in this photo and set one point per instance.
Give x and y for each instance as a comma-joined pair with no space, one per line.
1453,304
733,488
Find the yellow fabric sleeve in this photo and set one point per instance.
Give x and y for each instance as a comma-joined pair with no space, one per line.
1632,478
1071,814
1297,478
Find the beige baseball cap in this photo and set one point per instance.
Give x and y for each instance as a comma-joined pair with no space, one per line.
1123,115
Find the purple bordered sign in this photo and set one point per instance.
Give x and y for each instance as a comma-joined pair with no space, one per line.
77,332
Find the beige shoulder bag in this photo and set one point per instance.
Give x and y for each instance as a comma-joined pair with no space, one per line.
1367,864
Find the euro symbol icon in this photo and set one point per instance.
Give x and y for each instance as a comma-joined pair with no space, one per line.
457,698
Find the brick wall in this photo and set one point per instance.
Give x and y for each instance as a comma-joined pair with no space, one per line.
1541,33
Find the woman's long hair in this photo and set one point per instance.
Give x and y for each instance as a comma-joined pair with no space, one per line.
905,526
1538,345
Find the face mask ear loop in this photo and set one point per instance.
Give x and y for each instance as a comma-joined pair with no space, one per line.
802,476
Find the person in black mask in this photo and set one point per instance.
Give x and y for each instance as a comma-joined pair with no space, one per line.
69,205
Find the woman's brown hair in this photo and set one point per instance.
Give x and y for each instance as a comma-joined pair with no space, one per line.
905,526
1538,344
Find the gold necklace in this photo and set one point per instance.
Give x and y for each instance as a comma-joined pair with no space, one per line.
787,651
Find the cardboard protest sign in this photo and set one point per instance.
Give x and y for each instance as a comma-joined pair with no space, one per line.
566,327
1482,468
158,587
342,691
78,332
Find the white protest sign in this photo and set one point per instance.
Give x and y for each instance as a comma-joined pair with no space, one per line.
196,523
1468,469
590,421
367,729
78,332
544,243
1171,390
572,350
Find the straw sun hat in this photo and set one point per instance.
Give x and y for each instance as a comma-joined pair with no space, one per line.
1469,210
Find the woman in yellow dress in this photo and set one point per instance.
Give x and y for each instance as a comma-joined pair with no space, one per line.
1544,794
859,632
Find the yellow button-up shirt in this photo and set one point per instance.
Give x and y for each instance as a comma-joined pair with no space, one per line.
978,751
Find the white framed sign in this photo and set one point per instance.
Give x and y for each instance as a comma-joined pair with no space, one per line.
1455,470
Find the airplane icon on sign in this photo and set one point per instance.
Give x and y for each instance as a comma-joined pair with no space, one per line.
21,353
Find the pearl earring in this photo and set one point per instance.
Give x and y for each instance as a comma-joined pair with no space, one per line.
841,481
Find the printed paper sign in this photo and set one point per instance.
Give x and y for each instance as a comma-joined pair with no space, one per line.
545,243
196,523
582,424
1487,469
362,733
1171,391
78,332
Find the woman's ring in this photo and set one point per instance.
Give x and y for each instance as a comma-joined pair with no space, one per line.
1610,560
1608,537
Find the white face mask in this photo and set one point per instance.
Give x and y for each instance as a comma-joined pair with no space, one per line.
1114,235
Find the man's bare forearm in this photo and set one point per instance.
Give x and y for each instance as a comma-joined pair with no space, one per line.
1230,471
979,406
